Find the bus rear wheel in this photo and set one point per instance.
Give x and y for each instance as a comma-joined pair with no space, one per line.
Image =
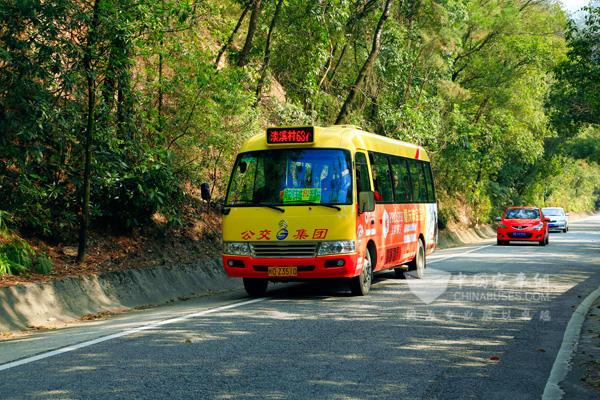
416,267
255,287
361,284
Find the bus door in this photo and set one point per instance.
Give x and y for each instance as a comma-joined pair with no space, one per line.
365,223
385,180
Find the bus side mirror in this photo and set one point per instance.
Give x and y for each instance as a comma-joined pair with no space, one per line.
366,201
205,191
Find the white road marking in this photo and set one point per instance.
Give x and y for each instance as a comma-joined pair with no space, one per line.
124,333
458,255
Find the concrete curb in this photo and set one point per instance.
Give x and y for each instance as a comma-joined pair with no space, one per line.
453,239
63,300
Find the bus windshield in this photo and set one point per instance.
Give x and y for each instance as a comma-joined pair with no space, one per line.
291,177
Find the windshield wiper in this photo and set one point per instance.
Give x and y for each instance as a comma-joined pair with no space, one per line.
270,206
319,204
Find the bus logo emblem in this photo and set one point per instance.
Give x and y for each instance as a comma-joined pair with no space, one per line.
283,224
386,223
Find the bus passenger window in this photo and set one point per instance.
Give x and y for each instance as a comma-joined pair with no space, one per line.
402,188
381,177
417,175
430,184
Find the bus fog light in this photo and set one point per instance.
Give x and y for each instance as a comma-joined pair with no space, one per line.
341,262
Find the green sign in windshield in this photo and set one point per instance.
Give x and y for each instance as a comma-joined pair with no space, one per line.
302,195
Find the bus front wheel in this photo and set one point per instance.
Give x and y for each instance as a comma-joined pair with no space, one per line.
361,284
255,287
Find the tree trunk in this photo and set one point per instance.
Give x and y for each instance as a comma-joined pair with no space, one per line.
88,67
160,91
410,76
367,65
263,72
362,12
124,100
339,61
230,40
327,64
243,60
481,109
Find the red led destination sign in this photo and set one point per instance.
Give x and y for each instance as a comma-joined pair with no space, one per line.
303,134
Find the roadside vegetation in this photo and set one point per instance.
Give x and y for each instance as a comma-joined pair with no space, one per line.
113,112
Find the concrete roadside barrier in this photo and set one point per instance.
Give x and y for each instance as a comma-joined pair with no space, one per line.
456,238
62,300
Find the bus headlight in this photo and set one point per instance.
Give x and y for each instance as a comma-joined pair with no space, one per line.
236,248
337,247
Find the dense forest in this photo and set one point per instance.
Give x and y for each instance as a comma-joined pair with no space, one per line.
113,112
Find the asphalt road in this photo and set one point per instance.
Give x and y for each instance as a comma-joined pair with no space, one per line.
486,322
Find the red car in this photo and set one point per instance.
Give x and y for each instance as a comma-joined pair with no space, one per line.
523,224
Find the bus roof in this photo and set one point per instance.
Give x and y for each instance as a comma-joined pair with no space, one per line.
346,137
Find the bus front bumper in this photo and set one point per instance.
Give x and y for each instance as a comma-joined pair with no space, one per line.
335,266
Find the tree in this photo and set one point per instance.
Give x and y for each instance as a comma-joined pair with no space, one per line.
267,56
90,48
235,30
243,60
575,98
367,65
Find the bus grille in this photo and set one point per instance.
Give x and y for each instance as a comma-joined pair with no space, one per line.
284,249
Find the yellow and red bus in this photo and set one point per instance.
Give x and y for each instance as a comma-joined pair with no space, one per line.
315,202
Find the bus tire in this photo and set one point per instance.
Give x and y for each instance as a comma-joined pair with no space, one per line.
255,287
361,284
416,267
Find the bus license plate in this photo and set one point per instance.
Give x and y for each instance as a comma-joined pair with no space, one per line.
283,271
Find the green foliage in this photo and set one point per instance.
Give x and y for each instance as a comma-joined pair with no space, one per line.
44,265
4,217
16,257
575,98
129,197
477,84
